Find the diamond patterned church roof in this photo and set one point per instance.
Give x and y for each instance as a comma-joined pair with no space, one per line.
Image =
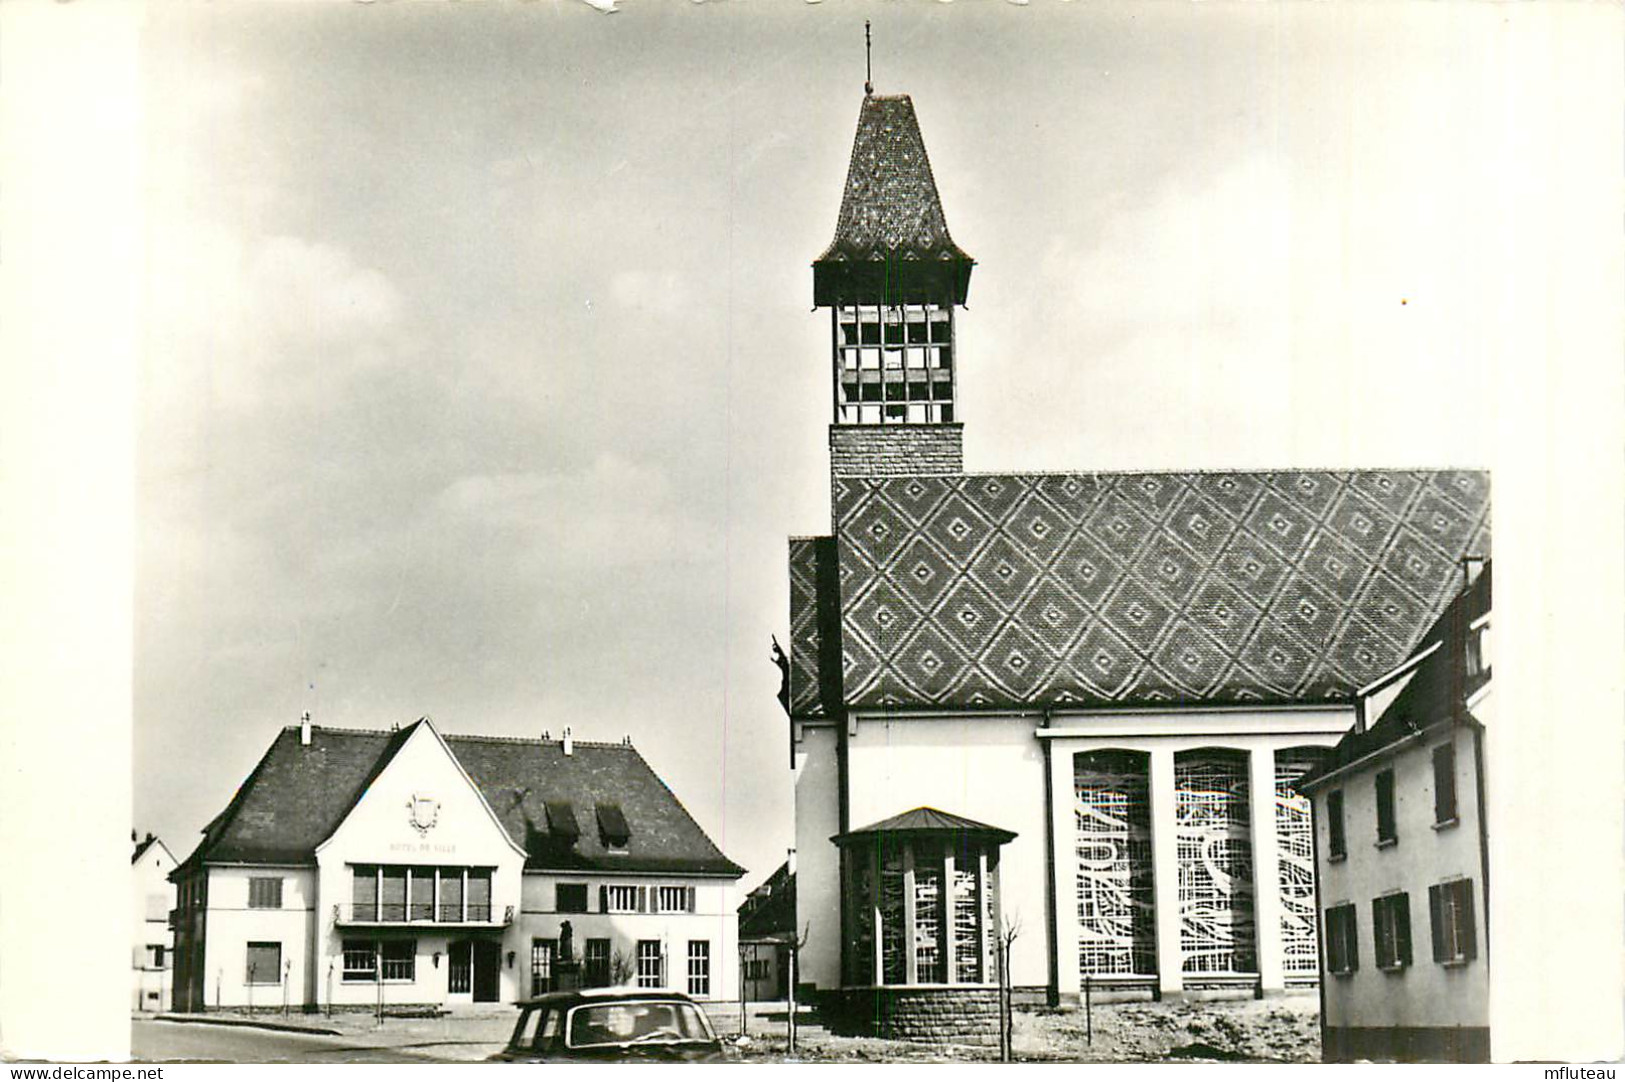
891,232
1018,590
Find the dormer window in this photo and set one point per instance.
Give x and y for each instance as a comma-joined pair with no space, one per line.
561,821
612,828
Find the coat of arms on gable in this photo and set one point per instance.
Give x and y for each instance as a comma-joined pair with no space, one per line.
425,812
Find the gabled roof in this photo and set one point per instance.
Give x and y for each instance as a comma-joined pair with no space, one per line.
769,911
297,796
930,821
1438,691
147,843
891,218
1125,589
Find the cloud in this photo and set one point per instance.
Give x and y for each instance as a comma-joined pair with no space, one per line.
613,513
233,322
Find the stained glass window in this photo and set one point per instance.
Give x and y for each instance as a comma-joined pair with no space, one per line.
1215,858
1116,904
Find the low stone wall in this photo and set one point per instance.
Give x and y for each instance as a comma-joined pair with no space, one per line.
930,1015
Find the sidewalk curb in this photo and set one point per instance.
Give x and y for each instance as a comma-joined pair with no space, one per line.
284,1027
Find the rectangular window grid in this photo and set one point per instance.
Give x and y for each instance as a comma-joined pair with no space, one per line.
1214,851
648,961
400,959
1295,834
675,899
894,364
620,899
595,963
360,960
699,967
1116,908
541,966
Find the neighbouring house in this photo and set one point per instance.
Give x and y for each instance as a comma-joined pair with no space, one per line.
1402,855
358,869
767,932
152,896
1067,705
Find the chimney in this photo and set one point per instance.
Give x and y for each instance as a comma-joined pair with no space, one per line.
569,745
304,729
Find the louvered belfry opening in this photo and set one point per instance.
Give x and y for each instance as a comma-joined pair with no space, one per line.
891,278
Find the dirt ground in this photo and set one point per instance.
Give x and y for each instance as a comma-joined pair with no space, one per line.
1259,1031
1256,1031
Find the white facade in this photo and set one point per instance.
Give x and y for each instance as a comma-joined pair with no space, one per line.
1016,771
420,897
152,946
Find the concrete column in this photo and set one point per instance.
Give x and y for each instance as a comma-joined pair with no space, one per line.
1064,830
1165,872
1266,867
876,973
949,932
911,961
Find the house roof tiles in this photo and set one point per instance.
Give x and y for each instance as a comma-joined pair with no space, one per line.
298,795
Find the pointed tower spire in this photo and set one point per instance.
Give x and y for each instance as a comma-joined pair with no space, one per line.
892,277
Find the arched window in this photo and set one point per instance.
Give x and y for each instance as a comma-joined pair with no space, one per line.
1215,853
1117,925
921,900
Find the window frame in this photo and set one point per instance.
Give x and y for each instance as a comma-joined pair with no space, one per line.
1337,845
1445,813
249,967
410,962
543,957
1342,924
681,897
596,955
1457,923
1391,931
559,903
1386,807
356,947
259,885
644,954
699,967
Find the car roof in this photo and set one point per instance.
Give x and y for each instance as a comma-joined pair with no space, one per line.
604,995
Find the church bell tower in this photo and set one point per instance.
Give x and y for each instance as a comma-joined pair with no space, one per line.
891,279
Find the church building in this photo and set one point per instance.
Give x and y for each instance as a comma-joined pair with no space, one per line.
385,870
1067,706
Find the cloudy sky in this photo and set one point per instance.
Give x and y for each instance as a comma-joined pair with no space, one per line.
481,379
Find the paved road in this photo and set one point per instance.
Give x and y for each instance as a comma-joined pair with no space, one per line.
197,1042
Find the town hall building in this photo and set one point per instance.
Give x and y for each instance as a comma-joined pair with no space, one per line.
1068,705
383,870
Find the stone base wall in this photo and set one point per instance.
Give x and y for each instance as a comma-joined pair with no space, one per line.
929,1015
1406,1044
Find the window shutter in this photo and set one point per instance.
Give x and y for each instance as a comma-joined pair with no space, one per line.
1444,783
643,899
654,900
1353,924
603,899
691,907
1402,927
1436,916
1468,933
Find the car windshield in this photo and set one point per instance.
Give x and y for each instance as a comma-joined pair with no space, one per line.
637,1023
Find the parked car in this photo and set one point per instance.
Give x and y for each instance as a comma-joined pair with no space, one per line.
612,1024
